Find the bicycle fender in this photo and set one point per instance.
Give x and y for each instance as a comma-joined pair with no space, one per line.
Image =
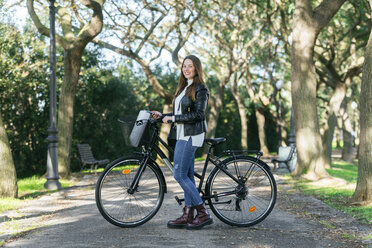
236,157
259,161
207,183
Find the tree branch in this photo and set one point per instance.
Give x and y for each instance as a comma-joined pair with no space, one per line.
94,27
40,27
158,88
325,11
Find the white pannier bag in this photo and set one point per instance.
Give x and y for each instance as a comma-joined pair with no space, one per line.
139,128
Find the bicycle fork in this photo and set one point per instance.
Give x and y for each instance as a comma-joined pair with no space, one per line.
133,187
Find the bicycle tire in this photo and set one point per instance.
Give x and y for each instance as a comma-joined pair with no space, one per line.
253,202
117,205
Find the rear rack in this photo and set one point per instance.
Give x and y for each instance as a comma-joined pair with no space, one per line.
239,152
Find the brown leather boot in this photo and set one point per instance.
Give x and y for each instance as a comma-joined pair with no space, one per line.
202,218
181,222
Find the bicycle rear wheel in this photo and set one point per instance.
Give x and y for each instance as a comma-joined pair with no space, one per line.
244,204
120,206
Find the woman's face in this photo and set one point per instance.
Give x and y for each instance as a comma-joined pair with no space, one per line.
188,69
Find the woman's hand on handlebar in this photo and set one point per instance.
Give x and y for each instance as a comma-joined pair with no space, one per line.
156,114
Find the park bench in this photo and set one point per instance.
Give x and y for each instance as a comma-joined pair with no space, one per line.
284,158
87,158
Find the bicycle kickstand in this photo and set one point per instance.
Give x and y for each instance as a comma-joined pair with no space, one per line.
179,200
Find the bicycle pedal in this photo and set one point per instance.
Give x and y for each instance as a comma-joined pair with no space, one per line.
178,200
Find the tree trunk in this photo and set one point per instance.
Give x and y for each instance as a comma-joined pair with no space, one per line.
72,62
363,191
243,124
334,108
216,103
308,139
307,24
243,117
260,117
347,150
347,130
261,131
8,177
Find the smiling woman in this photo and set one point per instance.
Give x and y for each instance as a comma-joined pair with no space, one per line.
188,116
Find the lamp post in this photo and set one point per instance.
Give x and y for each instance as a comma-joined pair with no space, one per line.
279,85
52,159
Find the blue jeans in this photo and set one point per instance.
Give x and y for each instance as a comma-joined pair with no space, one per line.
184,156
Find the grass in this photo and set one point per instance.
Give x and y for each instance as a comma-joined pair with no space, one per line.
338,192
330,226
29,188
198,159
346,171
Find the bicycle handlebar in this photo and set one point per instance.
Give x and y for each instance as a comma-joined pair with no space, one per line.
158,120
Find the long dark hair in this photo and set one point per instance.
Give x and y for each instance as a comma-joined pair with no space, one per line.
198,78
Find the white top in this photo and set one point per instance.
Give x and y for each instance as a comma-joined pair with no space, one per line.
197,140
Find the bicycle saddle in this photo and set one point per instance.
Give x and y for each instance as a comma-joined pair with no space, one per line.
215,141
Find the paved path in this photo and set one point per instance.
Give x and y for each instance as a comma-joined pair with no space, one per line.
70,218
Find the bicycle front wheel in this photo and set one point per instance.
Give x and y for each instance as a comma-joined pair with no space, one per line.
245,203
124,207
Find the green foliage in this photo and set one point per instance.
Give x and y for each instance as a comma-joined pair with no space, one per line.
339,49
107,92
24,97
103,96
229,126
101,99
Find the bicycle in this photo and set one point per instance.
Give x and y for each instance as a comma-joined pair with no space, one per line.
240,189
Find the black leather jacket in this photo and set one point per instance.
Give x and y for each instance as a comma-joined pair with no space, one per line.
193,113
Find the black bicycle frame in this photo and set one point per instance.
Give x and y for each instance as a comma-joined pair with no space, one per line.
152,145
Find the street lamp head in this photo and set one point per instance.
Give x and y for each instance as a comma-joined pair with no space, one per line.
354,105
279,84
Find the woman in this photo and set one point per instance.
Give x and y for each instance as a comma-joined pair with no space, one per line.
189,108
